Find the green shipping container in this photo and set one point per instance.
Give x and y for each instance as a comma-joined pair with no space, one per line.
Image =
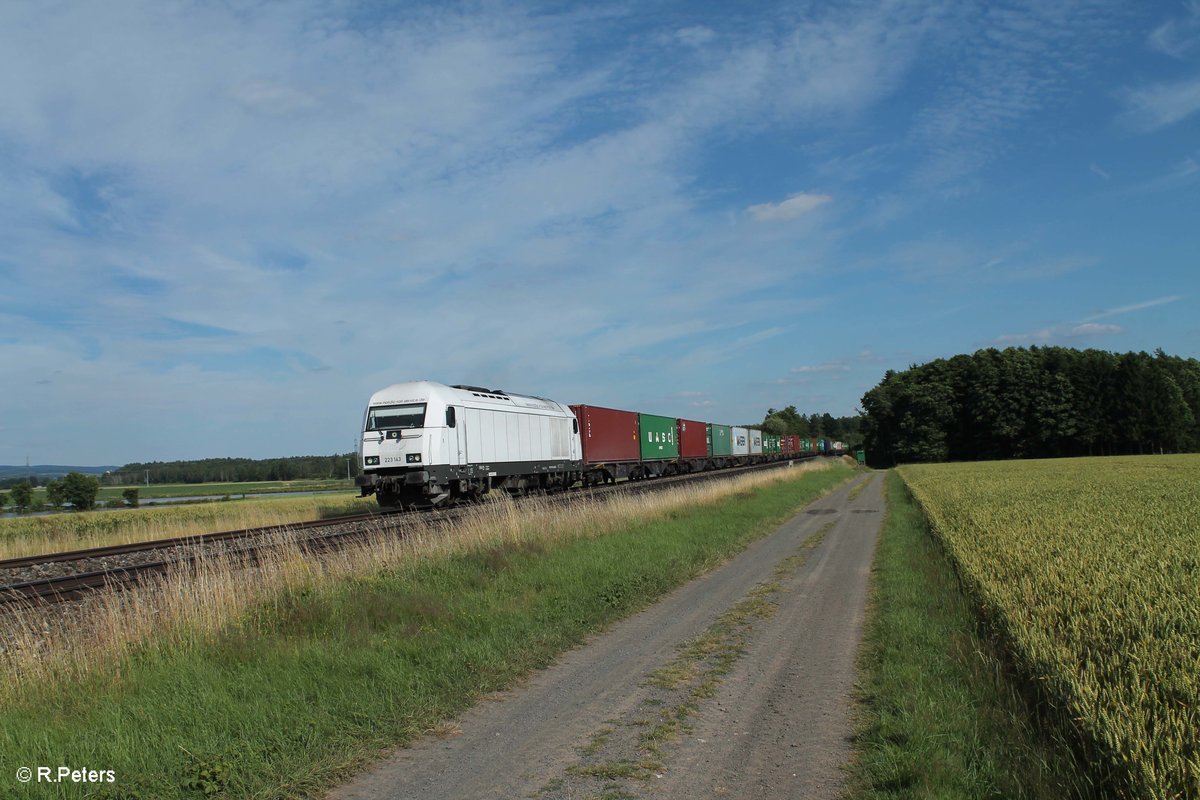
657,435
719,441
770,444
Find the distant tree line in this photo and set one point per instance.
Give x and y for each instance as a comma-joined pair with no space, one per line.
33,479
791,421
1034,402
236,470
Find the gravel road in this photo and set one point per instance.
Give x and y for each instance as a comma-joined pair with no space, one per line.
736,684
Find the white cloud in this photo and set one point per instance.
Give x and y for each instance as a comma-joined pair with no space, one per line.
1178,37
1032,337
273,98
1086,329
1010,63
709,355
1113,312
1181,174
940,258
696,35
1038,269
795,206
1157,105
829,366
1064,333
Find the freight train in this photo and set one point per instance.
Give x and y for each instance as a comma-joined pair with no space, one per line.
425,444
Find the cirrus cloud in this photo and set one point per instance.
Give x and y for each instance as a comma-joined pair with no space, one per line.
796,205
1158,105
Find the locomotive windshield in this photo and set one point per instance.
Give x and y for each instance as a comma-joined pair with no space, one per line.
389,417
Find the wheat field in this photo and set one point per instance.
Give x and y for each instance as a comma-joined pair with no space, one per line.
1088,572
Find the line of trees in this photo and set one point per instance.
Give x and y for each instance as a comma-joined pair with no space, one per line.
33,479
1034,402
236,470
789,421
74,489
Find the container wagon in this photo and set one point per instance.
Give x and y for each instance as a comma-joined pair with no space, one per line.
720,449
609,438
659,446
740,447
693,445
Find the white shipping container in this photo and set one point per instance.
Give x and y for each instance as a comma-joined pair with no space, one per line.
740,441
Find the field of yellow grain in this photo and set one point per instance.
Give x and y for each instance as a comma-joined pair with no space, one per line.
1088,571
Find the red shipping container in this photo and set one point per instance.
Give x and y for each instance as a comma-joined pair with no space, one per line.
693,438
789,443
607,435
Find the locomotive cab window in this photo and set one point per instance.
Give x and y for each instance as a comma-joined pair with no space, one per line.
390,417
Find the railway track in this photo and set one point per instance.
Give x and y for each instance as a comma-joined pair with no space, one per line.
72,575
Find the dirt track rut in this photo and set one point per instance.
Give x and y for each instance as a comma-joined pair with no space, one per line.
736,684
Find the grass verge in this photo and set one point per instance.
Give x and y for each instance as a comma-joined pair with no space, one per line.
311,680
939,715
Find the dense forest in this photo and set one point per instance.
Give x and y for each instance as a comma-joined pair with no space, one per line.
1032,403
789,420
222,470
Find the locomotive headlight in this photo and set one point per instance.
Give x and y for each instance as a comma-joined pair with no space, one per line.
413,458
372,461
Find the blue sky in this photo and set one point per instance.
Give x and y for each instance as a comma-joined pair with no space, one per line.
223,226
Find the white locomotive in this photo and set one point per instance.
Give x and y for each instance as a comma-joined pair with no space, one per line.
425,443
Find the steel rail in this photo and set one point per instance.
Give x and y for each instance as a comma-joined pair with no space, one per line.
179,541
65,588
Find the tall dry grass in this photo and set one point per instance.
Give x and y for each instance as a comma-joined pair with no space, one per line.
22,536
47,647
